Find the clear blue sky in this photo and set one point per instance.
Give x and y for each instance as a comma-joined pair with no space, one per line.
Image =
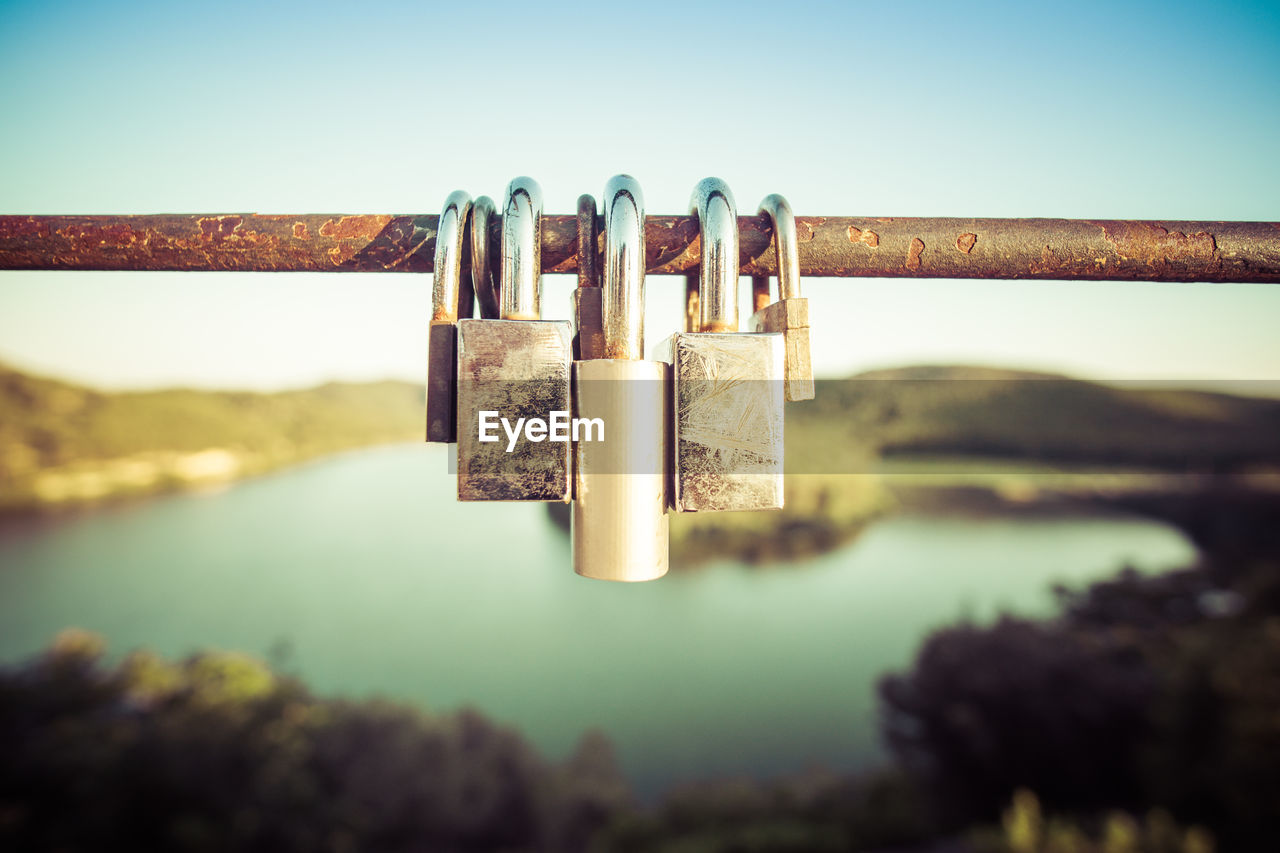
1139,110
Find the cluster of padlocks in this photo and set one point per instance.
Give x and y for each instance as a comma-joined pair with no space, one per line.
625,439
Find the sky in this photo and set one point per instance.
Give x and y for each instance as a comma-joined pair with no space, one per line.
1163,110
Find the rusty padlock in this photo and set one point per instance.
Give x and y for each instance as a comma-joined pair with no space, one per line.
442,342
513,376
588,320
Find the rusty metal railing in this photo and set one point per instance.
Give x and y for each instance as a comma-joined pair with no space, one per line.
841,246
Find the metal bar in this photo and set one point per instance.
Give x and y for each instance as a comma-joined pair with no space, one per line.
829,246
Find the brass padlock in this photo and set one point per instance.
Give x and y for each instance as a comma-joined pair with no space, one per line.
790,314
442,342
727,386
513,376
620,521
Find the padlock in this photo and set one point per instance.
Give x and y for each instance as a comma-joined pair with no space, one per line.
513,376
619,520
588,323
692,313
442,341
727,386
481,265
790,314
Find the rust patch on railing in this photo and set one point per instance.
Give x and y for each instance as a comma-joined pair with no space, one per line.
868,237
216,227
114,235
353,234
671,241
913,254
1049,262
228,232
354,227
395,244
19,227
1153,245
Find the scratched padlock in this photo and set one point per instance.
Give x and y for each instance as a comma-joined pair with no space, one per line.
442,342
513,376
727,386
790,314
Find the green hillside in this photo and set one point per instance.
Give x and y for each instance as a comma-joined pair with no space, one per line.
1017,415
62,443
981,439
1008,432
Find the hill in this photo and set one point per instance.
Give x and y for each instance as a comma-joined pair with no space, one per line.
62,443
1017,415
1003,431
979,440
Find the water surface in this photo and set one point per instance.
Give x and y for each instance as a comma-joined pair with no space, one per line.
381,583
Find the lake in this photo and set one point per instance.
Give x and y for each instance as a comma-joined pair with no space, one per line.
379,583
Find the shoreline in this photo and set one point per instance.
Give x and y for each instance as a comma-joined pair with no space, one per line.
823,512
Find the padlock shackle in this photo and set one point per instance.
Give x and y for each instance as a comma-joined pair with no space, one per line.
482,279
784,244
712,203
447,280
622,302
520,291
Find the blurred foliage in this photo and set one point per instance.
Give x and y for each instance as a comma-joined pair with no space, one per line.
62,443
217,752
813,811
989,709
1027,830
1147,697
1155,692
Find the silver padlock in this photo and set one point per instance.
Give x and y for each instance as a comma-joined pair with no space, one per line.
727,386
620,521
790,314
513,376
442,341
